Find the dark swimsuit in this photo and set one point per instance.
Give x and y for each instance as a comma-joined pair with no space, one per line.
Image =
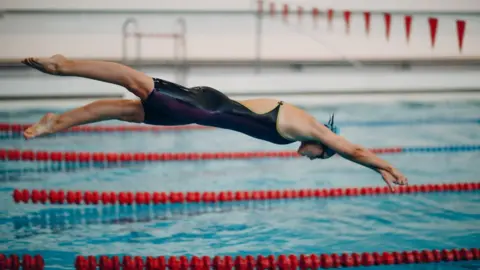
171,104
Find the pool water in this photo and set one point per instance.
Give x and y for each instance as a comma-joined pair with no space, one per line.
357,224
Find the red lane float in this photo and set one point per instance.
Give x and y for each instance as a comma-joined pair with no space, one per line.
28,262
281,262
127,197
18,128
114,157
58,156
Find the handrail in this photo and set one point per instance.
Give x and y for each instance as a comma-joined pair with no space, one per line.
180,51
125,35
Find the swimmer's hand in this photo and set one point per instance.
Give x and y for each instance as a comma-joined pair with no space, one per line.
393,177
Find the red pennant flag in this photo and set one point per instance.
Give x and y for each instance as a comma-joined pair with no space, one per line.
260,6
315,13
433,22
330,17
272,9
388,23
367,22
460,33
408,27
285,12
299,12
347,15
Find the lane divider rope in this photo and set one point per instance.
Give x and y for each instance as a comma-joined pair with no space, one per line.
28,262
126,197
250,262
281,262
71,156
18,127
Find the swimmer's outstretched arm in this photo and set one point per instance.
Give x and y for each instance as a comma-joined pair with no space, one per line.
118,109
357,154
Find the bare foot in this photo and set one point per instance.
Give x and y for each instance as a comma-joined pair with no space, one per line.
43,127
50,65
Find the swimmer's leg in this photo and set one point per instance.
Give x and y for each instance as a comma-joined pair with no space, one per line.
134,81
118,109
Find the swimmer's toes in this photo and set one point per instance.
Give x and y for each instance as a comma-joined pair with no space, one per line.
38,61
51,65
26,62
29,62
29,133
35,131
38,64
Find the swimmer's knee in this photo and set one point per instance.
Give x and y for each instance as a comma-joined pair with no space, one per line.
140,85
132,111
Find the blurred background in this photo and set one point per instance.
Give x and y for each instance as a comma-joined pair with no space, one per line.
306,52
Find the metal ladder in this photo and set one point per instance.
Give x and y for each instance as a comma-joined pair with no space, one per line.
179,47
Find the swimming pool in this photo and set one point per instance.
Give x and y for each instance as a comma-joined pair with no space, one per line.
327,225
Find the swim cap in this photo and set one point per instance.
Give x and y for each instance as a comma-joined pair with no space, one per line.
330,125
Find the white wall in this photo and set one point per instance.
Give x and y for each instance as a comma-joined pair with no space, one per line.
220,36
126,4
414,5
